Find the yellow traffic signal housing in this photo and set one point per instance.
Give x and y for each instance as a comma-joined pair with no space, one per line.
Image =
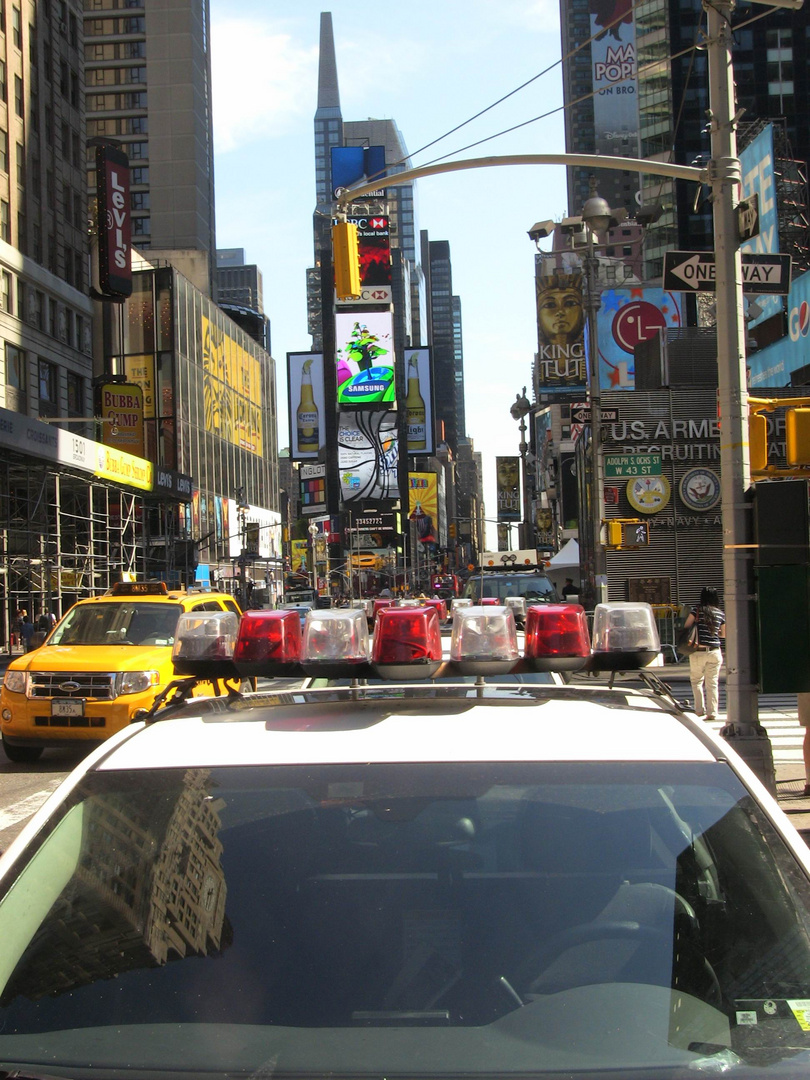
346,256
797,436
758,441
614,530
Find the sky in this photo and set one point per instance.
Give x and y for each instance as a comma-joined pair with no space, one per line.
429,65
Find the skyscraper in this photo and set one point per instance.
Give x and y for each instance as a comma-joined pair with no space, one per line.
148,86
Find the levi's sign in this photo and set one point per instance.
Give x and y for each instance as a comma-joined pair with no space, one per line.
632,464
696,271
114,226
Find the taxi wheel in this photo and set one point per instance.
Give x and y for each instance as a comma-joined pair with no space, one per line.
22,754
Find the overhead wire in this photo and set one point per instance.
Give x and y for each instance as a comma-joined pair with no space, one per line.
571,104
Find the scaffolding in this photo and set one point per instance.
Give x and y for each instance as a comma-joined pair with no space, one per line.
62,538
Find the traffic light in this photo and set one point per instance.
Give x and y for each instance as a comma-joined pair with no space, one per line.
758,441
797,437
346,258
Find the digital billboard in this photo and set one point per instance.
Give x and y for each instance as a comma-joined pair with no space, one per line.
423,504
561,372
626,317
756,165
374,250
306,405
364,355
356,164
368,455
615,78
507,488
419,401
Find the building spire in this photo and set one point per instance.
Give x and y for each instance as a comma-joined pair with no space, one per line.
328,93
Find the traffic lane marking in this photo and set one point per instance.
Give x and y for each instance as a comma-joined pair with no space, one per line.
16,812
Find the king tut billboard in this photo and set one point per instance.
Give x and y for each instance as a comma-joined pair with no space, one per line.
232,389
561,370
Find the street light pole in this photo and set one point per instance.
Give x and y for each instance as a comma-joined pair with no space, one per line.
596,216
520,407
725,179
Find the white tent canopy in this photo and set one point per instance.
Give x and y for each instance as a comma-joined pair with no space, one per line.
567,556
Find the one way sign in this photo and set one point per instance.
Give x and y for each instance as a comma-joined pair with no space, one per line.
694,271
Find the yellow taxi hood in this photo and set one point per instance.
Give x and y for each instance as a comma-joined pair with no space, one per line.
93,658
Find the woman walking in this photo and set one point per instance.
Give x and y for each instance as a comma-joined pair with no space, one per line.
704,663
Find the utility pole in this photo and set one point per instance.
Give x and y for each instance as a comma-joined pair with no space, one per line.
744,731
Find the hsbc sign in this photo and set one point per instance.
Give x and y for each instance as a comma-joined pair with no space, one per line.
373,242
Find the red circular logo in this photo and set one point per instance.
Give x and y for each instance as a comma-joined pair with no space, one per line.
636,322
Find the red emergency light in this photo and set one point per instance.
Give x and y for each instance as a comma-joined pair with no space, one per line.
268,643
557,637
407,643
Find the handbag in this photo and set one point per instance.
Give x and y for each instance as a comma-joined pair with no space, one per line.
687,642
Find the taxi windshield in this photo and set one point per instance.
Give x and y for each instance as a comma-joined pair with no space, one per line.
431,920
135,622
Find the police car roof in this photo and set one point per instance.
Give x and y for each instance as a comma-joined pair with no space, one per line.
407,724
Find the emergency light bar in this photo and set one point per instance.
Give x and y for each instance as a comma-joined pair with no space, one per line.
407,643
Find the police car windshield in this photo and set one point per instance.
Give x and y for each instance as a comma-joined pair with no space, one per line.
530,586
423,920
135,622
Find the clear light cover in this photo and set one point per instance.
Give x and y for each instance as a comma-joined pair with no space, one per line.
557,637
517,605
484,640
335,638
204,642
407,642
16,681
205,635
135,682
459,602
624,632
269,642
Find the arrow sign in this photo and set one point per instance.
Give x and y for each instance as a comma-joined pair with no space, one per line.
581,414
695,271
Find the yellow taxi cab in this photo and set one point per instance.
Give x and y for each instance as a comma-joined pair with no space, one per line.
108,657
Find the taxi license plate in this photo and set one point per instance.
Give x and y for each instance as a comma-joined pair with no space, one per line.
67,707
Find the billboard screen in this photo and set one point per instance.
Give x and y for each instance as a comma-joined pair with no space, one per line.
561,370
368,455
615,78
374,248
364,354
120,405
756,164
627,317
423,504
232,389
355,165
306,405
507,488
419,401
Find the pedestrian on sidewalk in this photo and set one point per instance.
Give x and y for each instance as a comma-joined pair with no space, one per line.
804,719
27,632
704,663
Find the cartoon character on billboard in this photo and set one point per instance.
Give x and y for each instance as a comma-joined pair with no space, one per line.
361,378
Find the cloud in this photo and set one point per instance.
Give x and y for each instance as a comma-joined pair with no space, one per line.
263,83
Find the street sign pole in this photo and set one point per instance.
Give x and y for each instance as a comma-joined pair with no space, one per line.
725,175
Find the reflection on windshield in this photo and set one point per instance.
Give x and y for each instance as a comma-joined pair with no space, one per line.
134,623
587,917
